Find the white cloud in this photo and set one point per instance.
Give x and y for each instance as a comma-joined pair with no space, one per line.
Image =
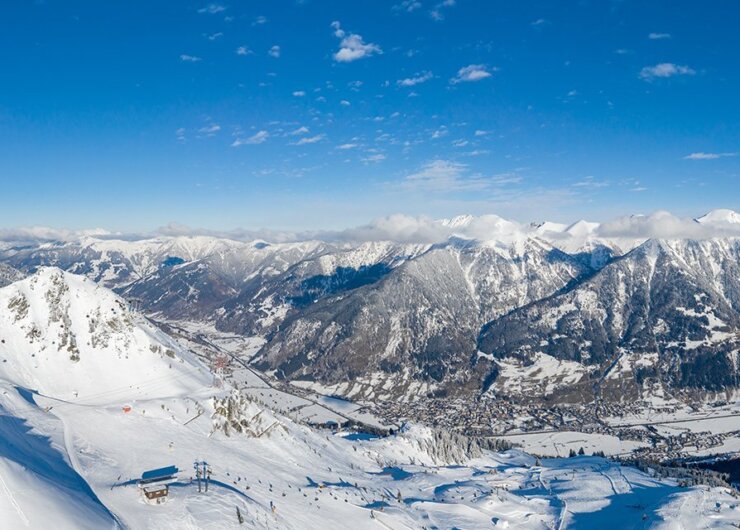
437,13
659,36
441,175
371,159
591,182
180,134
258,21
400,228
300,130
351,46
665,70
189,58
210,130
416,80
239,234
215,36
347,146
212,9
473,72
539,23
310,139
243,50
345,103
477,152
299,93
505,178
407,5
448,176
411,229
274,52
44,233
707,156
440,133
257,138
665,225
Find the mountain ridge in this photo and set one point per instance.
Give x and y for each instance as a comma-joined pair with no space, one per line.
434,304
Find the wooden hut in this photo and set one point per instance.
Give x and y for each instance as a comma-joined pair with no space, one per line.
154,484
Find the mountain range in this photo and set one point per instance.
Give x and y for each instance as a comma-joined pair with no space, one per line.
564,313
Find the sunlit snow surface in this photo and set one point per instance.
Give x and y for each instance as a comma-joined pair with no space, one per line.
76,434
316,479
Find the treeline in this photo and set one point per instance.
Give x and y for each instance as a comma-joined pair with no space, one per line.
685,474
451,447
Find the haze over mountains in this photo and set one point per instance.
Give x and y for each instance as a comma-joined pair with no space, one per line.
409,308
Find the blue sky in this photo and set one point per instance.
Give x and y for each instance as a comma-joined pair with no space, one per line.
325,114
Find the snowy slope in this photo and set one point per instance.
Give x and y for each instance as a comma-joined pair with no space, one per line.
720,216
56,323
319,480
71,461
33,471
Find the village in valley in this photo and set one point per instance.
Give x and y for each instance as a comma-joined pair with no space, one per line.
659,431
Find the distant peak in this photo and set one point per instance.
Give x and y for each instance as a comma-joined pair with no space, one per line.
720,215
55,279
49,272
458,221
582,227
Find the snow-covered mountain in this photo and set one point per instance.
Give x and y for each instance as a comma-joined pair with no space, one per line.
265,300
720,216
55,323
665,314
382,319
90,398
413,331
118,263
180,277
197,289
9,275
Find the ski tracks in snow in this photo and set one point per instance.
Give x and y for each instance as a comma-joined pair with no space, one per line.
75,463
15,504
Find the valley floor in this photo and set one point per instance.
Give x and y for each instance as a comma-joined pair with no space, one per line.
663,429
